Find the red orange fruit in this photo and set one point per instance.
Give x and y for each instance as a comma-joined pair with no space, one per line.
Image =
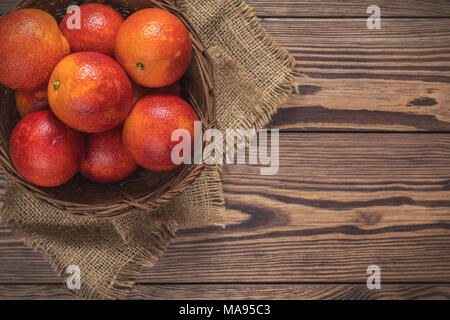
106,159
44,150
154,47
31,101
31,44
99,25
147,132
90,92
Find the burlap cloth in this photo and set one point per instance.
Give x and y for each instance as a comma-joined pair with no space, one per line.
253,77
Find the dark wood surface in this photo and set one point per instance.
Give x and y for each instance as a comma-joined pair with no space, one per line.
349,8
394,79
364,173
233,291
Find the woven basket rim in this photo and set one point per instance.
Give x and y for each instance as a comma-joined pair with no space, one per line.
180,179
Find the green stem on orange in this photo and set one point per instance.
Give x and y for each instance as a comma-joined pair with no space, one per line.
56,84
140,66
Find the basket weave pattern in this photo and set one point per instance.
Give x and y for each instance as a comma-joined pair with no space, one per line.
145,190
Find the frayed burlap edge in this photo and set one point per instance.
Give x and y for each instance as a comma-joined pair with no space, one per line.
278,95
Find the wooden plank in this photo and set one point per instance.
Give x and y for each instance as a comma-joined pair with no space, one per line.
335,8
349,8
338,204
245,292
396,78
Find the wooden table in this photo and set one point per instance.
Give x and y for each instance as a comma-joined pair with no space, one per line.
364,177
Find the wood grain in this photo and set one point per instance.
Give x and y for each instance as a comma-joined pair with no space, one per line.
335,8
244,292
338,204
396,78
349,8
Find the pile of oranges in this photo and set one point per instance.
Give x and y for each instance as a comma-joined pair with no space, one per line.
98,94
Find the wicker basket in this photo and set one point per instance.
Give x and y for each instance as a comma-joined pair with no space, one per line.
145,190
